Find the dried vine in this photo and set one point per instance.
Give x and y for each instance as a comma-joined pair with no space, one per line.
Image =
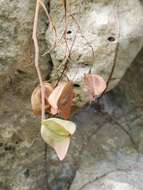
36,45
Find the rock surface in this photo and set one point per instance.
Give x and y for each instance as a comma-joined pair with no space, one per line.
93,31
107,149
113,157
16,46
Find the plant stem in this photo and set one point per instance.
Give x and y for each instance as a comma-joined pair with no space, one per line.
35,26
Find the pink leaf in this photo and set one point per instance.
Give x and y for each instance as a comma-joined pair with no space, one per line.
61,99
61,147
95,85
55,95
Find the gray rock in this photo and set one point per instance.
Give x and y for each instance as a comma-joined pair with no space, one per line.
108,143
97,26
110,185
16,46
107,146
113,158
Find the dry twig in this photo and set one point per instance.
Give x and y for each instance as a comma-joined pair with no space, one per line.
35,26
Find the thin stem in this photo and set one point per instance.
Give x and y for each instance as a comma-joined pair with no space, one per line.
52,27
35,26
116,49
113,68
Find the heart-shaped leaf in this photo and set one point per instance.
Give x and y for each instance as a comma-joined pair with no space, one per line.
36,98
57,133
94,84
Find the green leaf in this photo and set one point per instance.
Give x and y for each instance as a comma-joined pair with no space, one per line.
57,132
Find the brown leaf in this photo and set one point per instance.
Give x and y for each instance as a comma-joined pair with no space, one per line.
94,84
61,99
65,101
36,98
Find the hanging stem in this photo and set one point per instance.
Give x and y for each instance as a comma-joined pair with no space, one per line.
116,48
35,26
51,26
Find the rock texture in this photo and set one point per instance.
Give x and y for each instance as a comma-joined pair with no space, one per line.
16,46
93,30
107,149
113,156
